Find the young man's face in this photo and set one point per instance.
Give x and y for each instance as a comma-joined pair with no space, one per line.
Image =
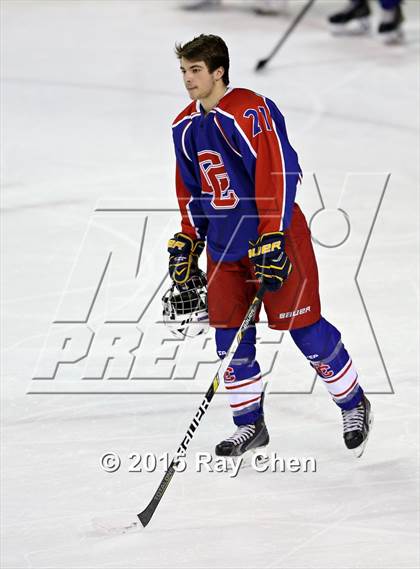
199,82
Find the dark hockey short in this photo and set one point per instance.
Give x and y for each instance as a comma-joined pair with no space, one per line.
232,286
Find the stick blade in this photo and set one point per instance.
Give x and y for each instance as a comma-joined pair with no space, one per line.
261,64
146,515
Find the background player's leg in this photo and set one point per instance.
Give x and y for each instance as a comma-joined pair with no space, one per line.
390,27
244,384
390,4
321,344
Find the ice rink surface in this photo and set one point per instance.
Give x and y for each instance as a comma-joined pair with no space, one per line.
89,90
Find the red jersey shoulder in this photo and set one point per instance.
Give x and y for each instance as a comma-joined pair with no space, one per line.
240,99
189,110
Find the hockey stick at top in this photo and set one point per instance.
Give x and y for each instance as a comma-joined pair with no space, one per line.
146,515
263,62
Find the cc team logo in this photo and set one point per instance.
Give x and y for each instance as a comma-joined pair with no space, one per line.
323,370
215,180
229,376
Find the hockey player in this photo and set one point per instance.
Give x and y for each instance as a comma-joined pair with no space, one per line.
356,17
236,178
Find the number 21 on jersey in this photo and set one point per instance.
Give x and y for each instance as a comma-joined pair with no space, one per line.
215,180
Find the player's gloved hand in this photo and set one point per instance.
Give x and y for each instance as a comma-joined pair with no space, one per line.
183,258
271,263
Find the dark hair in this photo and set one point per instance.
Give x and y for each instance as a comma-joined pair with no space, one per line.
208,48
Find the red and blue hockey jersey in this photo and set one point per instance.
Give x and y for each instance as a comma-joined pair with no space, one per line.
236,172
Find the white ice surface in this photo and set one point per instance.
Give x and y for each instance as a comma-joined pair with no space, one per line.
88,94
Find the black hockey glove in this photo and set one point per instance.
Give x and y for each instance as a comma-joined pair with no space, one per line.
183,258
271,263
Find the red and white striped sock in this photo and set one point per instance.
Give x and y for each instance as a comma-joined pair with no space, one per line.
340,384
245,396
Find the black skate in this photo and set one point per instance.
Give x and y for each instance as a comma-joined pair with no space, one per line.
390,29
357,423
201,5
355,19
245,438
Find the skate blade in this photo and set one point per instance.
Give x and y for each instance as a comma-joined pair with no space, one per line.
354,28
250,459
393,38
358,451
269,12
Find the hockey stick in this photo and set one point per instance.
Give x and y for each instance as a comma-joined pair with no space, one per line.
263,62
146,515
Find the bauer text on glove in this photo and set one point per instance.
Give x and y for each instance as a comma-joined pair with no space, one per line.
271,264
183,257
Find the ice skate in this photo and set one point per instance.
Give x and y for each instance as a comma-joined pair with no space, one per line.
357,423
270,7
353,20
200,4
246,441
390,28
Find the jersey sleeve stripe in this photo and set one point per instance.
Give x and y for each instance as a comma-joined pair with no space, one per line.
284,174
190,217
187,117
283,168
183,141
175,124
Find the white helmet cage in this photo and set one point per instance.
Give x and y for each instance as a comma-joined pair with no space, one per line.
185,312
